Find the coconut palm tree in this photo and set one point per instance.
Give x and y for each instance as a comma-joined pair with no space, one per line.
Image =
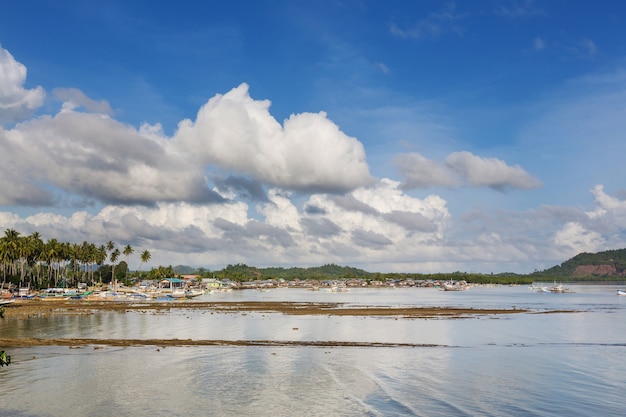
37,244
128,250
100,257
86,257
10,250
113,258
50,255
26,250
145,257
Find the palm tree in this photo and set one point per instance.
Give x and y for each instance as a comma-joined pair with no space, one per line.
37,243
10,249
113,257
26,250
128,250
145,257
64,259
50,255
111,250
100,257
86,256
74,254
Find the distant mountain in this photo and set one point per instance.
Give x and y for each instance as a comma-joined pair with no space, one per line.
184,270
607,264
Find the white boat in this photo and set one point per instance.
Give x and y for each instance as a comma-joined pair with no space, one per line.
193,292
178,293
337,289
621,292
455,286
559,289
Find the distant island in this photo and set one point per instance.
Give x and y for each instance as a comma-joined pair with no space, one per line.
602,266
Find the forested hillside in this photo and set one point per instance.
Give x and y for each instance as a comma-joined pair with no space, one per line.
609,264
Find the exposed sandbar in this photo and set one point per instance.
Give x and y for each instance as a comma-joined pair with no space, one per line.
40,308
162,343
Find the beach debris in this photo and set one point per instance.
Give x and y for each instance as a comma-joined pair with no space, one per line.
4,359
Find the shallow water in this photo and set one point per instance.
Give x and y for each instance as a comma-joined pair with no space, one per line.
523,364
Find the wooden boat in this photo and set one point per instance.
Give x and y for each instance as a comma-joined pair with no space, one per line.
193,292
337,288
57,293
455,286
178,293
559,289
82,295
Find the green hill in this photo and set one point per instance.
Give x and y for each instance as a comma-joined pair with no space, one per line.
331,271
610,264
184,270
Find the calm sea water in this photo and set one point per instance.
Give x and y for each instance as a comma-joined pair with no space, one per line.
558,364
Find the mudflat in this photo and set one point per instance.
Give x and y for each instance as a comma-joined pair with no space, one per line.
43,308
26,309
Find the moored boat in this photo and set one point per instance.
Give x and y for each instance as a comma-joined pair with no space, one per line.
81,295
57,293
455,286
337,288
178,293
559,289
193,292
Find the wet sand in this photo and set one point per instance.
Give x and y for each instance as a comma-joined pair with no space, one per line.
25,309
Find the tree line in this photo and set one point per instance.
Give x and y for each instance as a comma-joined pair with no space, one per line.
243,272
28,260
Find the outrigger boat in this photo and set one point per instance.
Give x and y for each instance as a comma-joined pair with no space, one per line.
559,289
81,296
455,286
57,293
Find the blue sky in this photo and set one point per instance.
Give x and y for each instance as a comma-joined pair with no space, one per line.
484,136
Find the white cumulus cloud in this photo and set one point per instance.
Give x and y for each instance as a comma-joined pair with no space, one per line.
578,239
16,102
308,153
93,156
